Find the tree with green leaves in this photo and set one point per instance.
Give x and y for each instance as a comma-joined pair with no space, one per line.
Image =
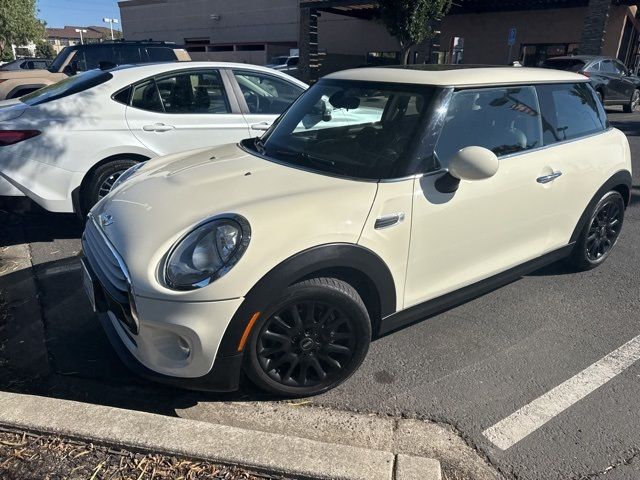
411,21
19,24
45,50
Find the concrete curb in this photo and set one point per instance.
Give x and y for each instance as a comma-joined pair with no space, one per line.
268,452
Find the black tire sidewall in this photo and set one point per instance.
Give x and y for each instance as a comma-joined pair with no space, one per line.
354,308
90,193
628,107
580,258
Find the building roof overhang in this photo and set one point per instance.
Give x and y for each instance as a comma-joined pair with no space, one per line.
368,9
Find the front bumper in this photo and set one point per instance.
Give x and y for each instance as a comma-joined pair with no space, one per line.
168,341
223,377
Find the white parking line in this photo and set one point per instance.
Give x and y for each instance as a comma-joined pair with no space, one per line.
529,418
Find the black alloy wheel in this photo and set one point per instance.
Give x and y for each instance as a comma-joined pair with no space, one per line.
313,339
601,232
605,229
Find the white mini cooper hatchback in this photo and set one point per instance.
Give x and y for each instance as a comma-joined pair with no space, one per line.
284,256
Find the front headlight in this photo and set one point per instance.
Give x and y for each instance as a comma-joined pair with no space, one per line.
207,253
126,175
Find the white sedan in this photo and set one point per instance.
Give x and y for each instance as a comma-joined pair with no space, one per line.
64,145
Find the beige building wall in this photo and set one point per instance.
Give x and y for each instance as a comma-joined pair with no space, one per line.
234,21
351,36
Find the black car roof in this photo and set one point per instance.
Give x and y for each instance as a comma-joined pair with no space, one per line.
583,58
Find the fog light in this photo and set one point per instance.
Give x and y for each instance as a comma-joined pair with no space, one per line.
184,347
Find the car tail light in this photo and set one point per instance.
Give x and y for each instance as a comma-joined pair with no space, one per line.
586,74
9,137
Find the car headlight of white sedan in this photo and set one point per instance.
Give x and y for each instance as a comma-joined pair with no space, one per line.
206,253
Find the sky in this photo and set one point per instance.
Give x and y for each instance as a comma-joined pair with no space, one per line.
58,13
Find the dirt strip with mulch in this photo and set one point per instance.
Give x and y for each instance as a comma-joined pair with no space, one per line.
29,456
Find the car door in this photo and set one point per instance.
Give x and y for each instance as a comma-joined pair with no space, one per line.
263,97
185,110
627,84
487,226
615,86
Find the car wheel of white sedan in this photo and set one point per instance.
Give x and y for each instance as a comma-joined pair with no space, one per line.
311,340
102,181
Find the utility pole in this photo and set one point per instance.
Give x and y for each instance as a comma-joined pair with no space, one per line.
110,21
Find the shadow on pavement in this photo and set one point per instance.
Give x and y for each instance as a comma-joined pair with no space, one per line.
82,364
34,223
79,362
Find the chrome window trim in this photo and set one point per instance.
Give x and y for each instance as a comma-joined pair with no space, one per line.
116,255
557,144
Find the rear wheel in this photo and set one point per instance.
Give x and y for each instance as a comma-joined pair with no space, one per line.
600,233
310,340
102,181
634,103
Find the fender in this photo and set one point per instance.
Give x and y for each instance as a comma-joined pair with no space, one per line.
300,265
622,177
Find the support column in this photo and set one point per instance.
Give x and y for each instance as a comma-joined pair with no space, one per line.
594,29
308,45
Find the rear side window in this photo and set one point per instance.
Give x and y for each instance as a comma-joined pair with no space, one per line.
146,97
503,120
66,87
183,93
570,111
90,58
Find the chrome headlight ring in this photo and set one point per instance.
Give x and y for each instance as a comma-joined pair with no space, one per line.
205,253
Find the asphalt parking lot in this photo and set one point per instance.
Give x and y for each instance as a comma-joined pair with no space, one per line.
471,367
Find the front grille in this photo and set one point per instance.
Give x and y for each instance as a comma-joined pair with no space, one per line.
105,263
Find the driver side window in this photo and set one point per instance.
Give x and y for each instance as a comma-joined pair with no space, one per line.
266,94
503,120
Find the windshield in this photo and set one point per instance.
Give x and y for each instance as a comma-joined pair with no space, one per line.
56,65
278,60
570,65
66,87
353,129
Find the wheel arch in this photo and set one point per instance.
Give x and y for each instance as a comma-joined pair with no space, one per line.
77,193
354,264
620,182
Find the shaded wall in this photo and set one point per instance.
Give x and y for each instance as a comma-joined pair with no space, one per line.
485,35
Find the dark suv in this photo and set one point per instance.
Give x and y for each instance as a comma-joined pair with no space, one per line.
79,58
613,82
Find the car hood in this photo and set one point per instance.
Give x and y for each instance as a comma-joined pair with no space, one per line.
288,209
36,73
11,109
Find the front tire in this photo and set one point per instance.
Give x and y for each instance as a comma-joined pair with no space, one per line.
102,181
312,338
600,233
633,105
